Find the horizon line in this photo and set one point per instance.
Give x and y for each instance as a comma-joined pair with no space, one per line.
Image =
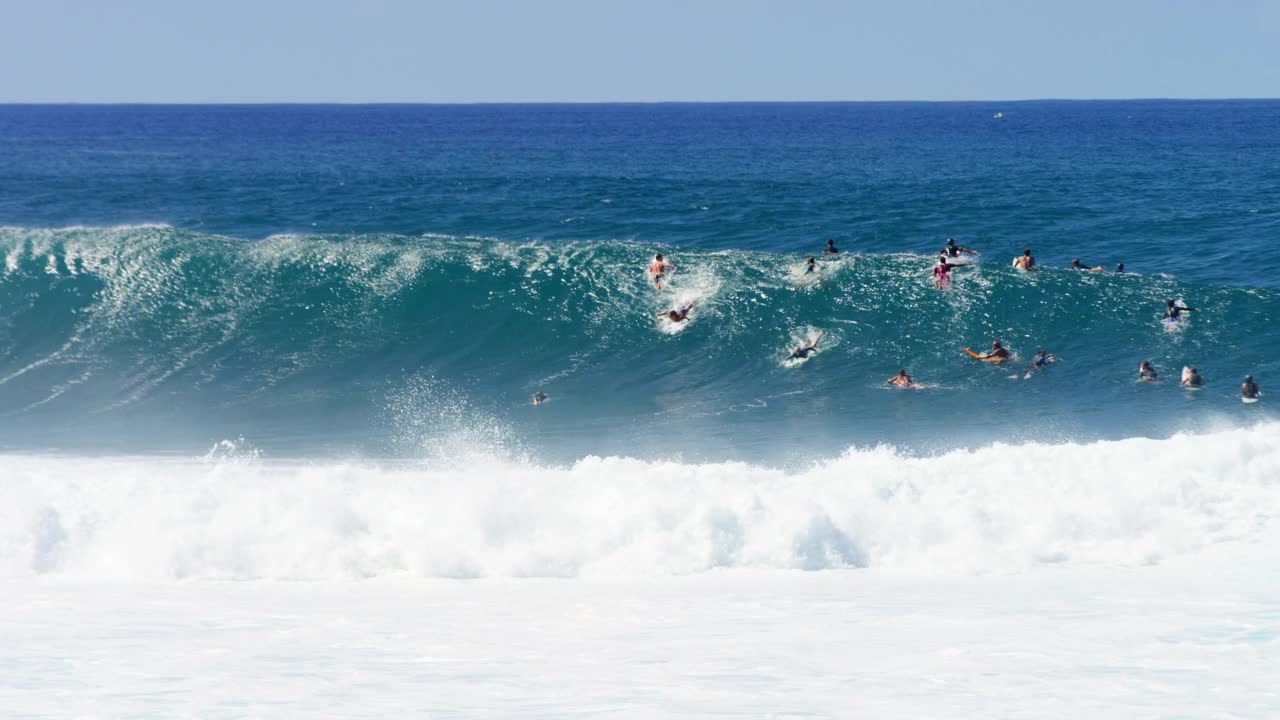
370,103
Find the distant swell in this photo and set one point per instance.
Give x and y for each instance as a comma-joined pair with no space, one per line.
998,509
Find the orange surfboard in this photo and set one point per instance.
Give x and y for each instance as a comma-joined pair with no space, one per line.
972,354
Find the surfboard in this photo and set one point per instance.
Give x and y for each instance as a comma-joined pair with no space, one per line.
972,354
1249,401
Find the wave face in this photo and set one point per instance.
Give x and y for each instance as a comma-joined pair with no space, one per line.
153,338
999,509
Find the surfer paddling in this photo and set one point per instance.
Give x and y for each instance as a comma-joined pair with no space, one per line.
679,315
901,380
942,271
953,250
1191,378
1146,372
539,398
1249,389
830,249
1041,361
1077,265
809,347
997,355
658,268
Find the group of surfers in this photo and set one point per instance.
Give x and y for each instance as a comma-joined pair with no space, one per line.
998,354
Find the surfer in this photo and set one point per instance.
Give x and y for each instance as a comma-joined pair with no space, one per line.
677,316
1120,268
1191,378
830,249
1146,372
901,380
1249,389
954,250
1040,361
539,398
1077,265
1173,311
809,347
810,265
942,271
997,355
1025,262
658,267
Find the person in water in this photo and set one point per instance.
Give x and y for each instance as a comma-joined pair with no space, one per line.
1146,372
942,271
1249,389
954,250
830,249
658,268
809,347
1077,265
539,398
1191,378
677,316
1173,311
901,380
1040,361
997,355
1120,268
1025,262
810,265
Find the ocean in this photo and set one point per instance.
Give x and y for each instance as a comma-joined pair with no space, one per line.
255,358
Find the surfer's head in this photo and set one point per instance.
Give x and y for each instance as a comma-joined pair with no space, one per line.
995,344
810,261
1169,303
674,315
1248,378
951,242
658,257
1120,268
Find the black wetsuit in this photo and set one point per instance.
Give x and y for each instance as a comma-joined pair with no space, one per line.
1174,312
1249,390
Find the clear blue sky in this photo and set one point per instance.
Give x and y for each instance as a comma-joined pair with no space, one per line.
609,50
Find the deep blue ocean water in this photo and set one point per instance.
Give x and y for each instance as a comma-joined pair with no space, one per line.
397,280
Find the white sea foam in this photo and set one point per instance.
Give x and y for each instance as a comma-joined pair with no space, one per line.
998,509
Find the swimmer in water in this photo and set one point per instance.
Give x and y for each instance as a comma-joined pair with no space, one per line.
1173,311
1077,265
1040,361
1146,372
539,398
901,380
677,316
1025,262
954,250
1191,378
997,355
1120,268
810,265
830,249
1249,389
942,271
809,347
657,268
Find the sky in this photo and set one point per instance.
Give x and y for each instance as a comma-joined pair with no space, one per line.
639,51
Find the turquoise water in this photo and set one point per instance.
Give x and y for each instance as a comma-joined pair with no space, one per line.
397,281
